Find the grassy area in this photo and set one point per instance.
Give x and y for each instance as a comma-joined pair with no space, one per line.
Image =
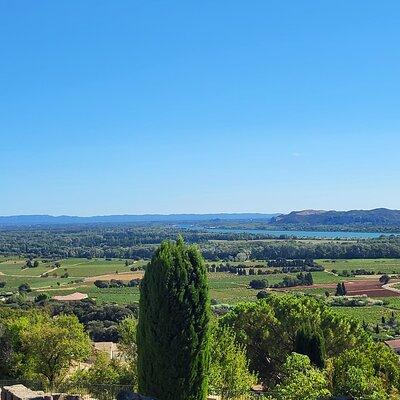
371,315
87,268
383,265
224,287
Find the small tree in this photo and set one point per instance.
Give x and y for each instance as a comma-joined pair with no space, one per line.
127,330
103,379
258,284
24,288
51,346
344,290
41,297
262,294
341,289
229,371
301,380
384,279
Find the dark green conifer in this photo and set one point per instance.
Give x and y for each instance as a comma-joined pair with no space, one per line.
173,328
311,343
344,290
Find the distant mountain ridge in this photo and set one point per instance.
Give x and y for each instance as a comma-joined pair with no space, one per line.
376,217
32,220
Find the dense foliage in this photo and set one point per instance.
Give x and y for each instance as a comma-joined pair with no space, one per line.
173,333
229,369
134,242
339,358
40,348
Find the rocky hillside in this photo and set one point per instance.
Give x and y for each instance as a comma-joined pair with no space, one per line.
377,217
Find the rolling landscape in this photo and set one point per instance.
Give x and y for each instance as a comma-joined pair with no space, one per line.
199,200
119,252
95,272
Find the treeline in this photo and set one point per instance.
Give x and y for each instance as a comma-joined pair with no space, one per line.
141,242
129,242
293,249
100,320
116,283
297,265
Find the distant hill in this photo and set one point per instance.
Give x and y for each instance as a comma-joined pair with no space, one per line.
32,220
382,217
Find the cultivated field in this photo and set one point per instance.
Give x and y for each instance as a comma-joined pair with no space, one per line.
379,265
224,287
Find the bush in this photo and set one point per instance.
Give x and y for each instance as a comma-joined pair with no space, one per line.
258,284
41,297
101,284
24,288
262,294
384,279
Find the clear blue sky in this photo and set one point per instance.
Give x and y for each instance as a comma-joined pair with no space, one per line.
185,106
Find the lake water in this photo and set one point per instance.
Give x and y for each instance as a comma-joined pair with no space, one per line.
299,234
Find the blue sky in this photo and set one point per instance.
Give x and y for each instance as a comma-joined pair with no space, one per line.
140,106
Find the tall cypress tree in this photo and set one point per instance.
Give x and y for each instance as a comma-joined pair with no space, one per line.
173,328
311,343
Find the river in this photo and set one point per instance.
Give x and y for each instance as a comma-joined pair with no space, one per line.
298,234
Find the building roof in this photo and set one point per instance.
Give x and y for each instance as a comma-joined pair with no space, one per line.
394,344
110,348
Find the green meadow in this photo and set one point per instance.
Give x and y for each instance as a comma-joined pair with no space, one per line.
383,265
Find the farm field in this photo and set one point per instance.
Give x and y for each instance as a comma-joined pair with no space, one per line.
371,315
47,277
224,287
379,265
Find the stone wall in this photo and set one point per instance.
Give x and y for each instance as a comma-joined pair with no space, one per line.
20,392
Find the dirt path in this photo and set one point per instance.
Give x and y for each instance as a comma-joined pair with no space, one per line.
50,289
389,286
122,276
49,271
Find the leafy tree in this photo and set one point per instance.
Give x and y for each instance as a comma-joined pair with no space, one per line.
103,379
6,352
384,279
51,346
262,294
370,372
258,284
229,370
41,297
268,329
309,280
24,288
127,330
301,380
173,332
